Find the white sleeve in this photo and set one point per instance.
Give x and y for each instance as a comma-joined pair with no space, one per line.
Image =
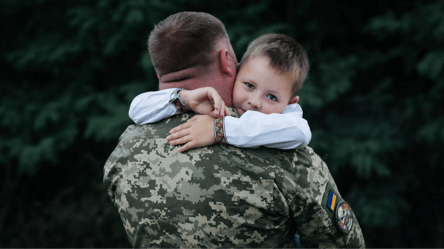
151,107
287,130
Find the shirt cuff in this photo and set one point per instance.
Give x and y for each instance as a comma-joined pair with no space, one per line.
219,132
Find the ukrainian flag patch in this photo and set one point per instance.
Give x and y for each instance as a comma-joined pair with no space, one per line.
331,201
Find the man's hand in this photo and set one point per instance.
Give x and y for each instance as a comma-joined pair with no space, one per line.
205,100
195,133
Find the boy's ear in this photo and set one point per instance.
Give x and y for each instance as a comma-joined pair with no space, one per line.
294,100
223,63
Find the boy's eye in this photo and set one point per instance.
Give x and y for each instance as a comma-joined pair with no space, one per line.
249,85
272,97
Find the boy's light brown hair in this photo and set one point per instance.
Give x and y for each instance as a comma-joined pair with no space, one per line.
285,54
184,40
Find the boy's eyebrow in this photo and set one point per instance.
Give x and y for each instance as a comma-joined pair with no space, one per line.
250,80
275,92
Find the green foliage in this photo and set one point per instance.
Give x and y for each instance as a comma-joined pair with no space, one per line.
71,68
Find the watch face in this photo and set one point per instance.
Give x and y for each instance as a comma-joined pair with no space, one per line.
344,217
174,95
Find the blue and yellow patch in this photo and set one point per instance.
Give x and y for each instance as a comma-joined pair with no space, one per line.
331,201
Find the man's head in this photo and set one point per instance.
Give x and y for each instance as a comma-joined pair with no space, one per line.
271,74
192,50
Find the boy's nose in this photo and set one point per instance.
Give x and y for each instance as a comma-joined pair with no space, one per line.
254,103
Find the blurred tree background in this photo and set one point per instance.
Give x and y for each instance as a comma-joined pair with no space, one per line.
69,70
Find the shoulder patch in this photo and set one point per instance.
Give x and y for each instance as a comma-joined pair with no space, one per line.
344,217
331,201
338,211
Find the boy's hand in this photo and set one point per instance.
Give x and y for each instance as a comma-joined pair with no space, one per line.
205,100
195,133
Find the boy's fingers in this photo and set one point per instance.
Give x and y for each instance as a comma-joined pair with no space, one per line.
227,111
176,129
192,119
216,108
224,111
221,109
177,135
181,140
216,102
213,114
180,127
186,147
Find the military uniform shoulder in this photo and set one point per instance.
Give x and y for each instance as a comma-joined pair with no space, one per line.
158,129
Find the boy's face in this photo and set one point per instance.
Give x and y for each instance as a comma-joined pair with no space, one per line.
259,87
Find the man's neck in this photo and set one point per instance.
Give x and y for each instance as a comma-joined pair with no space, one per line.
198,77
182,75
189,78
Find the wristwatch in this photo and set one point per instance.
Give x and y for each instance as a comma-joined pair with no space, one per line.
177,101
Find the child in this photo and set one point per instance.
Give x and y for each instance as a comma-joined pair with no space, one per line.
270,75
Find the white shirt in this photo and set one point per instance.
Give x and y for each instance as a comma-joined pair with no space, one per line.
287,130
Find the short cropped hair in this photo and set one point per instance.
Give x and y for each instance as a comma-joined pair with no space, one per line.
184,40
285,54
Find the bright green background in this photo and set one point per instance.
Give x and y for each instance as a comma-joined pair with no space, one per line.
69,70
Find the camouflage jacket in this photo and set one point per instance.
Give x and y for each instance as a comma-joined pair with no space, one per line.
221,196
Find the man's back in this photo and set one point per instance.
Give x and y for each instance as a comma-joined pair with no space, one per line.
219,196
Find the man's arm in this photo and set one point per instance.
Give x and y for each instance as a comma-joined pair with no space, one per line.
322,217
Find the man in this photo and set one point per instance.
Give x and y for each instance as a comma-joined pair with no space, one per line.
218,196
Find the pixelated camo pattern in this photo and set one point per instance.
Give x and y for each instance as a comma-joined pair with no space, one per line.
219,196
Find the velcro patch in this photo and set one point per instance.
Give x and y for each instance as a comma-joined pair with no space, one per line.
331,201
344,217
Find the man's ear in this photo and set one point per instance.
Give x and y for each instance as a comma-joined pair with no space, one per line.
223,63
294,100
158,76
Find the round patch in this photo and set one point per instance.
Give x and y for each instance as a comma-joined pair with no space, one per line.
344,217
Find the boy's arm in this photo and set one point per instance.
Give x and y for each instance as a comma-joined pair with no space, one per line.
282,131
287,130
151,107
